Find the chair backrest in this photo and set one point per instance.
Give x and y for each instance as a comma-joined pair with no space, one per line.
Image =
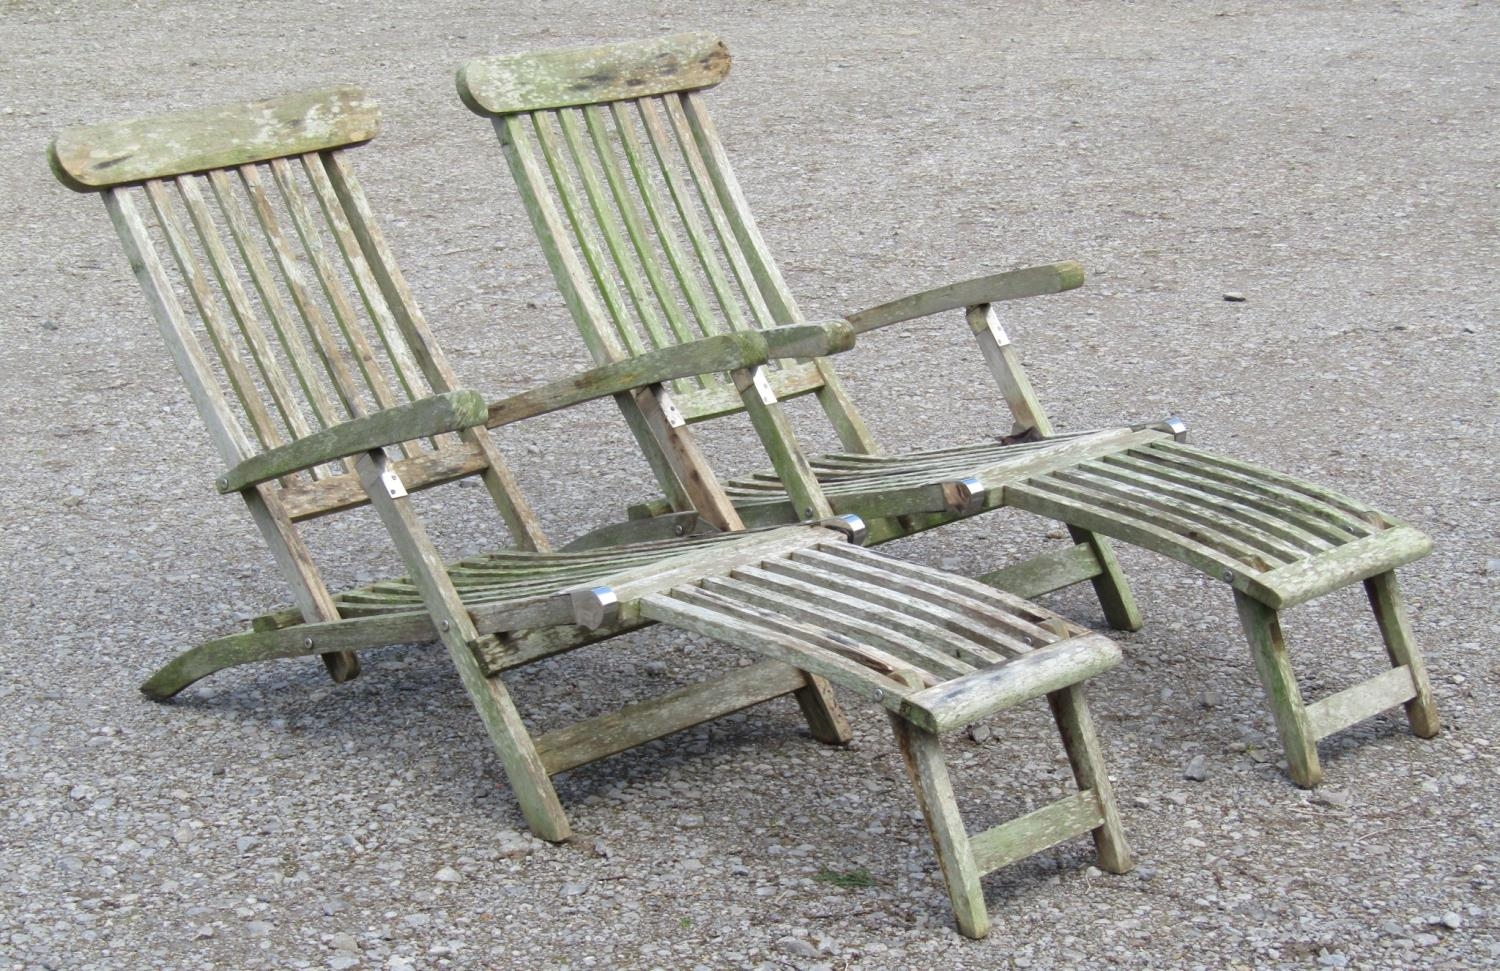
279,298
643,223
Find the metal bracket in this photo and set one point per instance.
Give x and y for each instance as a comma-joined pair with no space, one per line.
669,409
762,385
1177,427
394,487
990,323
853,528
593,607
963,496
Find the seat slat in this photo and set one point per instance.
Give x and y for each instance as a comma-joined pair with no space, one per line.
1314,533
918,627
868,623
1189,508
1014,633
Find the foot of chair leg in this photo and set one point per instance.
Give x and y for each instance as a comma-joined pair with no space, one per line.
1082,744
1401,648
923,753
1110,585
1268,648
342,666
825,719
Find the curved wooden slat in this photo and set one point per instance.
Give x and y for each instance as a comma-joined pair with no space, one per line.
584,75
94,157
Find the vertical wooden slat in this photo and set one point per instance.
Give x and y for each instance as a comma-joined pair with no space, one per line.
355,341
613,233
501,484
408,375
594,117
312,596
604,282
687,281
209,311
186,352
324,341
772,287
835,401
729,243
405,368
661,144
550,232
270,297
261,350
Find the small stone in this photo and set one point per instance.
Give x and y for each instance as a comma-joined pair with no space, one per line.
980,733
1426,940
343,961
333,906
1196,770
574,888
1492,566
203,932
400,963
1452,920
344,942
1334,960
448,875
1233,296
1210,699
1056,534
1337,798
797,947
656,669
1176,798
246,843
689,821
259,928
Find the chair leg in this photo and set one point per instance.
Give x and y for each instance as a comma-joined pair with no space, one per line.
1082,744
523,766
342,666
1268,648
1110,585
1395,630
825,719
923,753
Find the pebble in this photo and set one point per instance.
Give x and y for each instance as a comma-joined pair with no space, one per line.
1196,770
1233,296
448,875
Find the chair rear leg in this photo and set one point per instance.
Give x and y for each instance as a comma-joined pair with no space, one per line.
1395,631
524,770
825,719
1082,744
1268,648
923,753
1110,585
342,666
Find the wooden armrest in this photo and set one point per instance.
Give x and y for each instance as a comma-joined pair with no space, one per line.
722,352
1032,281
817,339
417,419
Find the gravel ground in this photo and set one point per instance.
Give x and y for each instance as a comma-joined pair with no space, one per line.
1333,161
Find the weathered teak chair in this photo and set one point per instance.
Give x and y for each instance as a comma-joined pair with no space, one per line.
246,228
652,244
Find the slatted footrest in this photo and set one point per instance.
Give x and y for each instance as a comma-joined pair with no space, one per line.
937,650
1276,538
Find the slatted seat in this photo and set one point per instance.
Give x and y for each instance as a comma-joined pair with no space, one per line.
652,242
323,389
